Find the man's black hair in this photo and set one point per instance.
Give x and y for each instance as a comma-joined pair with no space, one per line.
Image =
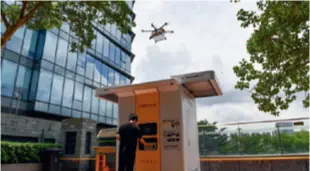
133,117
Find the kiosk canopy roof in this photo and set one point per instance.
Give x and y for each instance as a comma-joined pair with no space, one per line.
199,84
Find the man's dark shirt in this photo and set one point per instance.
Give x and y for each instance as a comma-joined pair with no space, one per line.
129,134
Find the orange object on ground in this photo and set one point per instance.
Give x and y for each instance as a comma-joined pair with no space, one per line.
101,157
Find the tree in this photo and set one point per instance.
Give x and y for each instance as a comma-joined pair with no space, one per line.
211,139
279,54
80,15
263,143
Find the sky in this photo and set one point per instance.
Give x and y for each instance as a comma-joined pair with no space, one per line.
207,37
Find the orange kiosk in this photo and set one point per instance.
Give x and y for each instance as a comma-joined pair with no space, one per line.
167,118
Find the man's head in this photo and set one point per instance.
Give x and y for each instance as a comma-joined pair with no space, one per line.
133,118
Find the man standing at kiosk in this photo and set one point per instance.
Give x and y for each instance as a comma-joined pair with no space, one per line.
128,135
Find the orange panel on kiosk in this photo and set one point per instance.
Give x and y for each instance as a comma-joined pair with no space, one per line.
147,109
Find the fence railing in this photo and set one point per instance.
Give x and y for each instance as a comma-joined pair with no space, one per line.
280,137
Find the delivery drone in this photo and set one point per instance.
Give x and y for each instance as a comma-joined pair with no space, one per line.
158,34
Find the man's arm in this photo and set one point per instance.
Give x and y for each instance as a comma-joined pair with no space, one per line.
141,140
118,137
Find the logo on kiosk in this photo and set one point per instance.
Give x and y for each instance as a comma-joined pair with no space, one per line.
146,105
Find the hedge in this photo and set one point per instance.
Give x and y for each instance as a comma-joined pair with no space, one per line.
14,152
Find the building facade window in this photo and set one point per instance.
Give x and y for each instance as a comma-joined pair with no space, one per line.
95,102
106,47
49,46
30,43
15,43
68,93
22,81
111,77
8,75
56,94
71,61
62,51
45,81
87,99
104,74
112,52
60,82
90,65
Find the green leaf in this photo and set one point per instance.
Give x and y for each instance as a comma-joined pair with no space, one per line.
278,67
81,15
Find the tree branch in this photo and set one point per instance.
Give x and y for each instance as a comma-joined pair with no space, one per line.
5,21
252,88
33,10
22,12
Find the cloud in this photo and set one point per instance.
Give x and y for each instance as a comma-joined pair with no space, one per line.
230,97
207,37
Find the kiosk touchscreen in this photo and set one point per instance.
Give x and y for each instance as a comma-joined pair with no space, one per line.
167,118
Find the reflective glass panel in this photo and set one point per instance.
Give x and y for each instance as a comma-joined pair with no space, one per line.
116,78
94,103
30,43
20,81
106,47
57,89
68,93
15,43
78,92
8,74
111,77
90,65
97,72
62,51
45,81
87,98
71,61
104,74
50,46
115,111
118,56
112,52
109,111
102,107
99,45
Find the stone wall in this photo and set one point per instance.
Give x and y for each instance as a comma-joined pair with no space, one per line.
23,167
23,126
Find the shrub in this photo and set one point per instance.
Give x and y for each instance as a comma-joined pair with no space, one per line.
14,152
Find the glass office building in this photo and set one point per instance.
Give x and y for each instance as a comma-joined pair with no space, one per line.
41,78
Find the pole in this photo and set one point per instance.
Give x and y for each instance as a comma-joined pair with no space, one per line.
19,96
17,106
239,143
280,140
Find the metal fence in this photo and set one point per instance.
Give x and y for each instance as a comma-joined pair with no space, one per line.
273,137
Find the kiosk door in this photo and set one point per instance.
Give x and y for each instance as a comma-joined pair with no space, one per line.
147,109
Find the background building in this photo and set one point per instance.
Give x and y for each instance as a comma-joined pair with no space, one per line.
43,82
285,127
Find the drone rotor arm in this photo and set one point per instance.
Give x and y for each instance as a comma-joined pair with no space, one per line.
147,30
169,31
153,26
164,25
